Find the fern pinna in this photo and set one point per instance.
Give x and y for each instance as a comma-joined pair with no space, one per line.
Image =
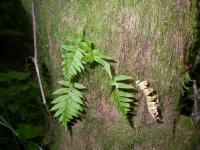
78,54
72,64
70,104
122,96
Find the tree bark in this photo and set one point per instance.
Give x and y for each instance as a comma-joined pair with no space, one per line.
149,40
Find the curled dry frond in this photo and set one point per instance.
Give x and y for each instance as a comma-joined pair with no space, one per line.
151,98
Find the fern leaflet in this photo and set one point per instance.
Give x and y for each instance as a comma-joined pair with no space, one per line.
72,62
103,60
70,104
121,96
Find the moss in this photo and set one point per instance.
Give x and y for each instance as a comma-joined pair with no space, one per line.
58,138
107,137
187,134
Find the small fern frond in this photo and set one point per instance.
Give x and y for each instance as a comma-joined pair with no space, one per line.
121,100
80,52
122,95
76,54
69,105
72,63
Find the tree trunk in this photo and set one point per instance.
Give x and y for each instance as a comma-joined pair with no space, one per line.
150,40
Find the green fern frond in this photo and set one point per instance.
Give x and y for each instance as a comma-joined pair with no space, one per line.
121,102
122,95
79,52
69,104
77,55
72,63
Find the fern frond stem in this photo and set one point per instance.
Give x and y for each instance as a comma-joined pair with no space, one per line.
34,59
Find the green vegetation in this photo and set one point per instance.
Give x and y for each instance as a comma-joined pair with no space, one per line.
148,39
22,116
78,55
121,97
22,113
70,104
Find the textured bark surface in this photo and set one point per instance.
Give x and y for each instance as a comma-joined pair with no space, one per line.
149,40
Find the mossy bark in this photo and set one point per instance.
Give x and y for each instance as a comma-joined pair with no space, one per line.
149,39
